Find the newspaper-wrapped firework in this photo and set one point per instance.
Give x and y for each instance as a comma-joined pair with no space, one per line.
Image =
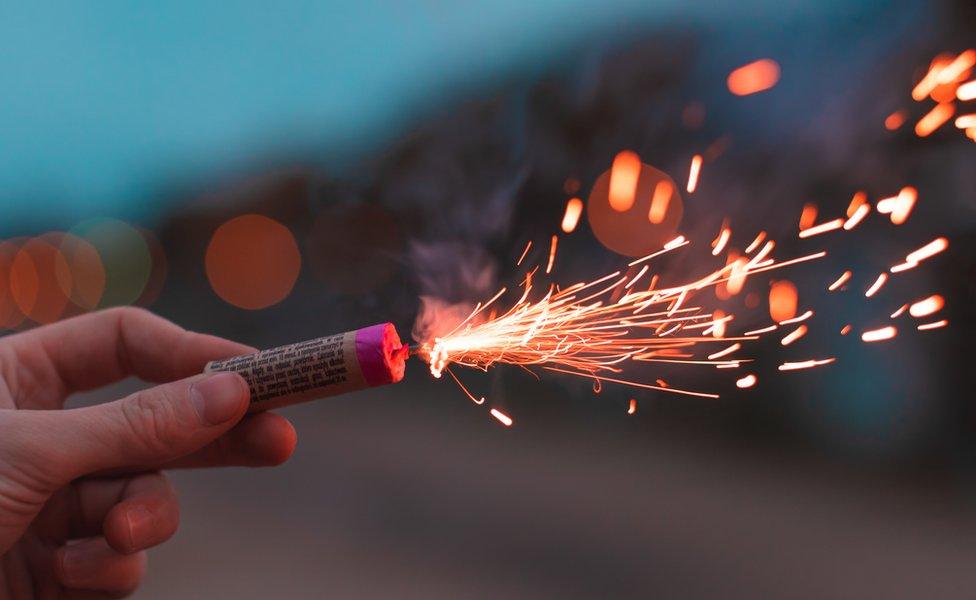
326,366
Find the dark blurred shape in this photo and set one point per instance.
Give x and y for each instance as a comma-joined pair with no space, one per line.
354,249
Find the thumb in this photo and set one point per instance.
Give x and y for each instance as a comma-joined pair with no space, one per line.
148,428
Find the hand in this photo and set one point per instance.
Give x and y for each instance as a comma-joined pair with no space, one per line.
82,495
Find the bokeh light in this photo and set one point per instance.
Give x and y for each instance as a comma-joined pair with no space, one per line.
754,77
125,258
38,277
783,300
252,262
158,272
86,283
646,225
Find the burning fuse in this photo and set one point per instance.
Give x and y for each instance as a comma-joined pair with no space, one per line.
326,366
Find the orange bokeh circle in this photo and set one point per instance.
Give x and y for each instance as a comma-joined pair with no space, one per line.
252,261
38,277
10,314
630,232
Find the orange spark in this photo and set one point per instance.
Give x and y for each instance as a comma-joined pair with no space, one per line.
859,215
660,201
877,335
967,91
632,407
954,70
931,79
524,253
502,417
754,77
901,310
895,120
719,321
662,383
552,253
574,208
926,307
966,121
725,352
934,119
794,335
846,275
927,251
880,281
746,382
808,216
845,329
857,200
822,228
755,243
693,172
933,325
799,319
805,364
675,243
624,174
718,244
763,330
903,207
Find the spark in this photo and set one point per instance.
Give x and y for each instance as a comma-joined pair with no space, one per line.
805,364
931,79
754,77
927,251
794,335
967,91
859,215
966,121
880,281
502,417
808,216
755,243
725,352
693,172
465,389
901,310
624,173
761,331
844,277
951,72
877,335
675,243
552,253
935,118
933,325
926,307
845,329
746,382
822,228
659,202
723,238
524,253
799,319
632,407
894,120
574,208
857,200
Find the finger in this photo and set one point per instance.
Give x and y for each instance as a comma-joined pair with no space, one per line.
91,564
133,514
99,348
154,426
261,440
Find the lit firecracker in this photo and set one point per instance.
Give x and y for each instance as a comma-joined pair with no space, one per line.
595,329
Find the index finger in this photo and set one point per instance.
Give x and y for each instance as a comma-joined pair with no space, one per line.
100,348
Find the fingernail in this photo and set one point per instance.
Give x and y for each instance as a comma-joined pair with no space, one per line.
75,561
217,397
140,522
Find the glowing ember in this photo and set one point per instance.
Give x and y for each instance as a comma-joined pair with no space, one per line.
723,238
694,172
967,91
931,79
966,121
802,317
844,277
524,253
794,335
660,201
746,382
859,199
624,174
808,217
725,352
782,300
805,364
901,310
926,307
895,120
845,329
933,325
935,118
552,253
502,417
755,243
880,281
877,335
574,208
859,214
632,407
754,77
822,228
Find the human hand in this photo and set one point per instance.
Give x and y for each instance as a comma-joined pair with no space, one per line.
82,495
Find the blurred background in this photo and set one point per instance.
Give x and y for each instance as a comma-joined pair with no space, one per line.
272,173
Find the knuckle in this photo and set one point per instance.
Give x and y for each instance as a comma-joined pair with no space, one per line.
155,419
